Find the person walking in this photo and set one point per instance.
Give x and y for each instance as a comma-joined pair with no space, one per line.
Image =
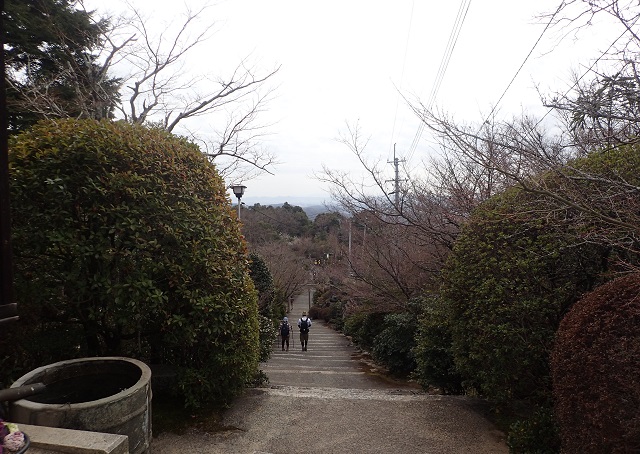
285,330
304,323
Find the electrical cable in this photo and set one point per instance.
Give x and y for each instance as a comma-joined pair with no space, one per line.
404,63
586,72
444,63
451,44
523,63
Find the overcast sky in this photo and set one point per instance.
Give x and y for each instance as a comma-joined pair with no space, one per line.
350,61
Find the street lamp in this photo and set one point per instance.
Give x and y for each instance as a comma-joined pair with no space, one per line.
238,190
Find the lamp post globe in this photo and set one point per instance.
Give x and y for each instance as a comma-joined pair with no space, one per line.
238,190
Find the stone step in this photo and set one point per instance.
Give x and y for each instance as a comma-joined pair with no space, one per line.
50,440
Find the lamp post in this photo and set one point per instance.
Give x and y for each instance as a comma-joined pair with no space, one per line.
238,190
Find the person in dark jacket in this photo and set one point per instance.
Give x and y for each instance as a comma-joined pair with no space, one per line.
285,331
304,323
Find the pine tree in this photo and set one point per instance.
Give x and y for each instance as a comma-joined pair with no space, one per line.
53,70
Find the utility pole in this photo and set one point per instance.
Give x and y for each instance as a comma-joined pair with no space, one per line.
350,267
396,163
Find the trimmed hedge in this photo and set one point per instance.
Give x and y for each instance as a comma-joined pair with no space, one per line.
509,280
517,267
596,370
393,346
125,243
435,366
363,327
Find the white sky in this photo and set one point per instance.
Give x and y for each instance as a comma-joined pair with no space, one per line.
345,60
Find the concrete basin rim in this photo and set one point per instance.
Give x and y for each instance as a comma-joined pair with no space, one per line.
143,381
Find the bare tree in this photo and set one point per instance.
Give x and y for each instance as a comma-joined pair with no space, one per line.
602,111
407,241
601,200
602,108
371,193
288,268
434,199
157,91
389,264
398,248
573,17
154,88
599,113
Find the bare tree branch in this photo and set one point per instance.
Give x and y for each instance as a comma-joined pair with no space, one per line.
527,157
157,91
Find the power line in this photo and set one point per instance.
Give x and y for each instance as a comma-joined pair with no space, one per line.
587,71
605,52
404,62
451,44
524,62
448,53
444,63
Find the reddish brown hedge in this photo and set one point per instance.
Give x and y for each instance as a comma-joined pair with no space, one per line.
595,367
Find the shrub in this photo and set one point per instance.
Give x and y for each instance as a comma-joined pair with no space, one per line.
317,313
433,350
320,313
392,347
519,264
263,283
536,434
336,317
279,305
510,278
125,244
268,334
352,324
328,306
596,370
364,327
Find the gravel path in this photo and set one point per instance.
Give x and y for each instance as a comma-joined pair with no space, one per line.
326,400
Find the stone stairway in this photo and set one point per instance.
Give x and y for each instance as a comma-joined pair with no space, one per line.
327,400
331,361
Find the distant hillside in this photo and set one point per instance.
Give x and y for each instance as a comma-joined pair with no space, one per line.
313,211
311,206
278,201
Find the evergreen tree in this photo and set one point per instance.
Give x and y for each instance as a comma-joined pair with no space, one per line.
51,51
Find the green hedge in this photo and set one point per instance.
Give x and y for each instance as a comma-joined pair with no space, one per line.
517,267
509,280
125,243
363,327
435,366
393,346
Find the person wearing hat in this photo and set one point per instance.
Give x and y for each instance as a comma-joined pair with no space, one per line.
304,323
284,330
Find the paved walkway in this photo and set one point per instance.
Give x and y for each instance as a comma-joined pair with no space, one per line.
326,400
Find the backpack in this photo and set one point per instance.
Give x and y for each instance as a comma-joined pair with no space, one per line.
284,329
304,325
